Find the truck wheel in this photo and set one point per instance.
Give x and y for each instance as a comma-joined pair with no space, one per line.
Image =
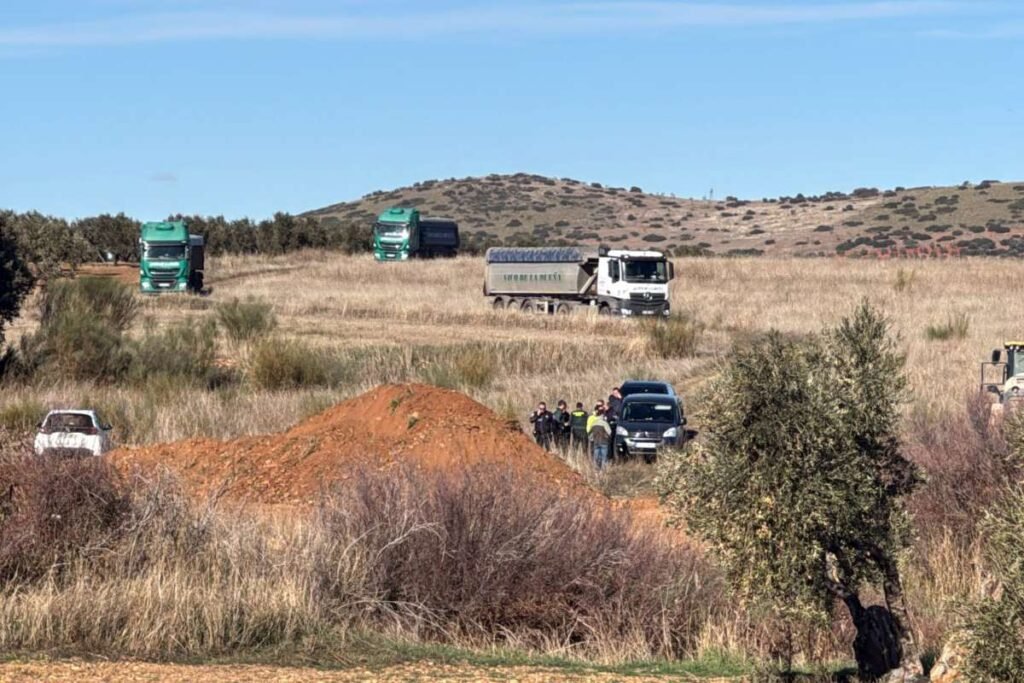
604,309
527,306
563,309
512,305
498,304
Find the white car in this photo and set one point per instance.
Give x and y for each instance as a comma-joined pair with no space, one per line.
73,432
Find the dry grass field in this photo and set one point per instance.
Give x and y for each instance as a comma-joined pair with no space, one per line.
428,322
416,321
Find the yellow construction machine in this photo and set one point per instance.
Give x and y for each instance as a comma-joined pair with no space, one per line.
1008,372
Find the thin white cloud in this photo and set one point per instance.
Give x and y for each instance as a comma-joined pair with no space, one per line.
164,177
241,23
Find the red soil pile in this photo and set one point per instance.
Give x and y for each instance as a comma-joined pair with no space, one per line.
415,424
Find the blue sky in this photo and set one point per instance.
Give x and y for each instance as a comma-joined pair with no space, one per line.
246,107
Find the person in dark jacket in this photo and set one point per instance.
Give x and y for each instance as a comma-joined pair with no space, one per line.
578,427
543,425
614,405
613,410
561,417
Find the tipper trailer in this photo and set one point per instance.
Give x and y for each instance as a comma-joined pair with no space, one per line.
562,279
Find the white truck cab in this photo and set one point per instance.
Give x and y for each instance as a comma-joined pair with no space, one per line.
634,282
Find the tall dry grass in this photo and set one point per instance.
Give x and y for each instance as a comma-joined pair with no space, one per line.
483,557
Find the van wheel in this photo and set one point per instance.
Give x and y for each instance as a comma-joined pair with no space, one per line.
498,304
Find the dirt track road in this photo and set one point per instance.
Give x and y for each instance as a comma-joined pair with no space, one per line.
132,672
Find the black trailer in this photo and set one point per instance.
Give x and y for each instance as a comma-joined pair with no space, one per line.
438,238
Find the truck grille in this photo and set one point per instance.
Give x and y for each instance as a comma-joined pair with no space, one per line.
163,277
391,248
639,303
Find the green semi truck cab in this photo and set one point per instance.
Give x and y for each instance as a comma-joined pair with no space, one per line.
170,259
402,233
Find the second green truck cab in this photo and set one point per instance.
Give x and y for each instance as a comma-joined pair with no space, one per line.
170,259
401,233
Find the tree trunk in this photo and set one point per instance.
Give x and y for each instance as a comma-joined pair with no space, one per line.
877,645
910,662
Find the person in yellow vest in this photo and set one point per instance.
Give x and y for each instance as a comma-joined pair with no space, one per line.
600,439
598,407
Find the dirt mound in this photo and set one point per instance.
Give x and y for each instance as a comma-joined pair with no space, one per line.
417,424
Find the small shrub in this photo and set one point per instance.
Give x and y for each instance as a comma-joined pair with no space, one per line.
472,367
677,337
185,350
81,331
106,298
287,364
244,321
904,280
955,327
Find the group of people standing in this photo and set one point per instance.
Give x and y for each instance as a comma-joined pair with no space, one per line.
565,429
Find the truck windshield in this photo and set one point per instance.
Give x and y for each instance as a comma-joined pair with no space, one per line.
646,271
165,251
642,411
391,229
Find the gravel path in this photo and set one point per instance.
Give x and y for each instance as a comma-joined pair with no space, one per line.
139,672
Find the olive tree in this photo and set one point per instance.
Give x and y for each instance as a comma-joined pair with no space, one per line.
798,482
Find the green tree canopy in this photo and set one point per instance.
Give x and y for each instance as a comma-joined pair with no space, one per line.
798,481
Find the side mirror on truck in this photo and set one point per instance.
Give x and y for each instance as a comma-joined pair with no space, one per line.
997,355
671,271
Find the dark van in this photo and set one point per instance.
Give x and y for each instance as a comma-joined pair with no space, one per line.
648,422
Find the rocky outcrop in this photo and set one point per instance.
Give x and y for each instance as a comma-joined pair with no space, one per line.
949,667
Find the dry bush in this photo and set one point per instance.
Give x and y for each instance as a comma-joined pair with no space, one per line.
967,464
956,326
54,511
244,321
180,580
278,364
490,555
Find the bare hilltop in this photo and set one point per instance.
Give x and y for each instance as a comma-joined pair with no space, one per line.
983,218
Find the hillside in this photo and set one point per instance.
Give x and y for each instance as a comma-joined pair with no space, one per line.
986,218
